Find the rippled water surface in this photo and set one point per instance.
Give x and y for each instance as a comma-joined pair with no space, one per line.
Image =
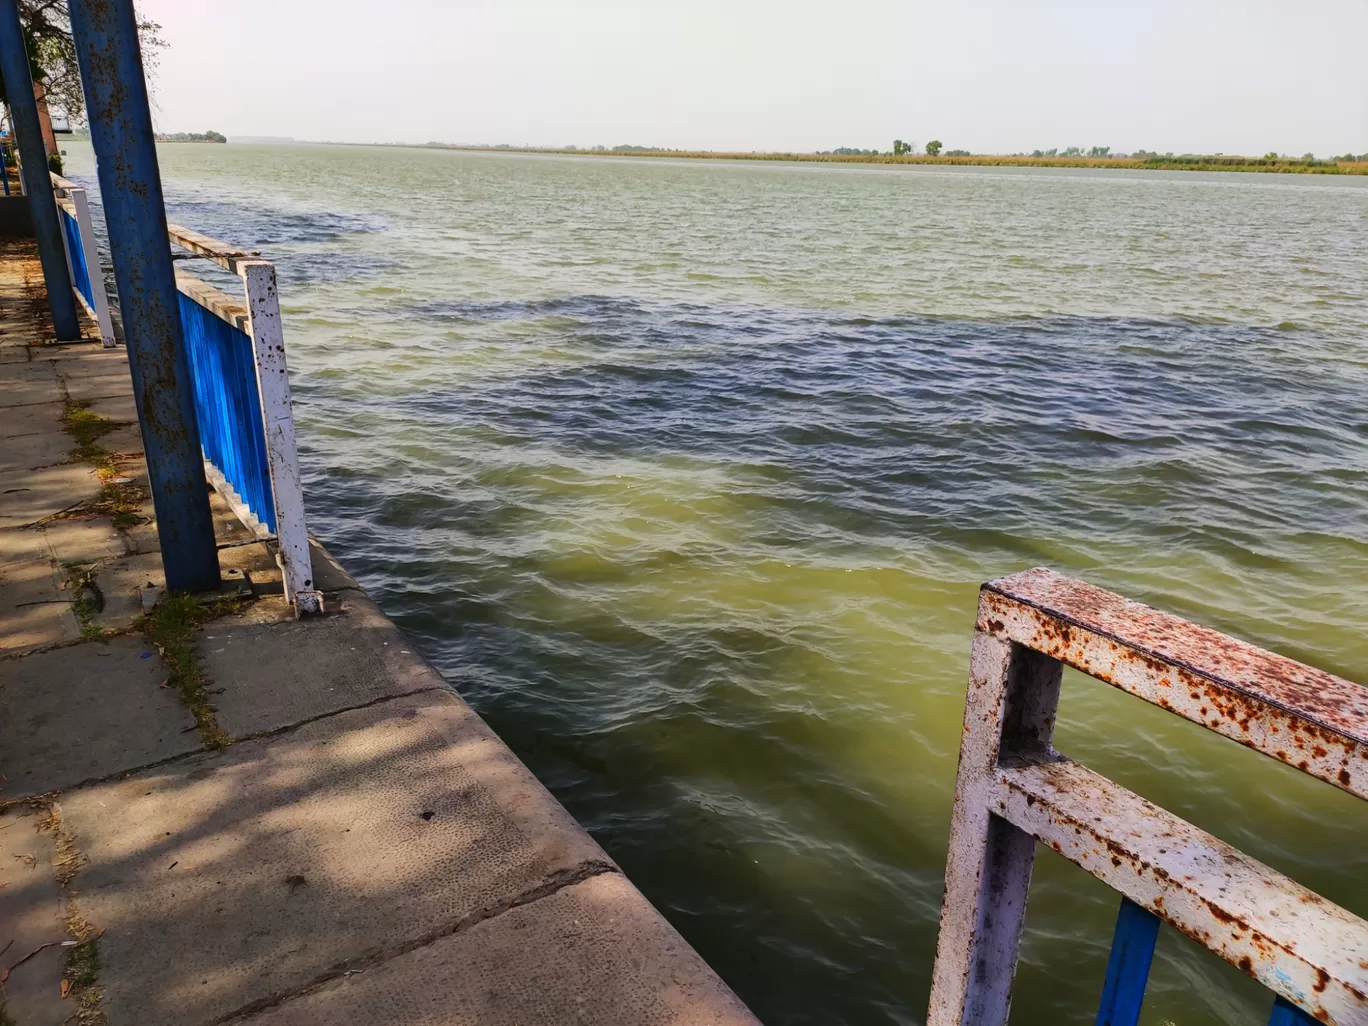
686,475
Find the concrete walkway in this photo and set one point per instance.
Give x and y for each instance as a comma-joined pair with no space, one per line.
331,836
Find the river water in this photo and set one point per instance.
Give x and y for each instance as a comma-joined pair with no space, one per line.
686,473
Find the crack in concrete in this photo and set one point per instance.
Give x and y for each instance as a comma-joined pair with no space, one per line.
47,796
556,882
278,731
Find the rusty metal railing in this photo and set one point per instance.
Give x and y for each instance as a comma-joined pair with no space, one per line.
1014,791
236,353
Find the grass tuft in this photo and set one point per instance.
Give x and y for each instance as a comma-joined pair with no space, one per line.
118,499
88,428
81,580
171,626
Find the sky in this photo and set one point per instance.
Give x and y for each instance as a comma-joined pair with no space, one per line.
990,76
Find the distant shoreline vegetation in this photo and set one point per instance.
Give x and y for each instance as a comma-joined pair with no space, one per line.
1097,156
195,137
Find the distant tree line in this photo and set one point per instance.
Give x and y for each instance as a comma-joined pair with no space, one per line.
199,137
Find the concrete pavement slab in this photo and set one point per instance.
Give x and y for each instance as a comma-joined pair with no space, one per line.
30,628
83,541
34,611
86,352
593,953
32,916
125,440
23,545
122,582
274,676
30,420
31,370
119,408
40,449
27,392
97,383
261,866
30,495
85,712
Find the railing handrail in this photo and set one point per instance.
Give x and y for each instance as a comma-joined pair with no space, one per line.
1295,713
1013,790
221,253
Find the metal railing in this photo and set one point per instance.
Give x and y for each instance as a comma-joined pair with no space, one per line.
83,256
236,351
1014,790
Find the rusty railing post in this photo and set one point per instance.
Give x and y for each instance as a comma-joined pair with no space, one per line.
106,35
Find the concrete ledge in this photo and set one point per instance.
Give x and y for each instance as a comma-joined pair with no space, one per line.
273,676
594,952
235,878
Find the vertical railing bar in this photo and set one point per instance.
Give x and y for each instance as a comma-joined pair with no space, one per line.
273,385
1011,703
66,246
1128,966
94,273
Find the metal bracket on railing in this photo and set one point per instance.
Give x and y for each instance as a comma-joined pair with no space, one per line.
1014,790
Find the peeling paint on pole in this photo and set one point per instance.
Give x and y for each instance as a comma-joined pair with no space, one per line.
106,36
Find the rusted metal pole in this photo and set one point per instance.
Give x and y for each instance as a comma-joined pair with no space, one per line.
14,64
106,35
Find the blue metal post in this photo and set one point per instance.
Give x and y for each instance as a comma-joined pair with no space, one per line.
1287,1014
14,64
1137,930
106,35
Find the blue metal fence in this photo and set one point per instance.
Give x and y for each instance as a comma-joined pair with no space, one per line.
228,404
80,273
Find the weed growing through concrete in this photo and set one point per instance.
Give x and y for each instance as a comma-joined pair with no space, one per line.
84,603
82,972
88,427
171,626
119,499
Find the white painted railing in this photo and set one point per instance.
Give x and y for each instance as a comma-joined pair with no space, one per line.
83,256
242,397
1015,791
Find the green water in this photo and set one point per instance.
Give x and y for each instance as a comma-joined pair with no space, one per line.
686,475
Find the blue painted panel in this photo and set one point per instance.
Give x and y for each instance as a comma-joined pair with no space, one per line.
1128,967
228,405
1287,1014
80,274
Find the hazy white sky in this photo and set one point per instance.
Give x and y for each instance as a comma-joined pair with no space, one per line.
1235,76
